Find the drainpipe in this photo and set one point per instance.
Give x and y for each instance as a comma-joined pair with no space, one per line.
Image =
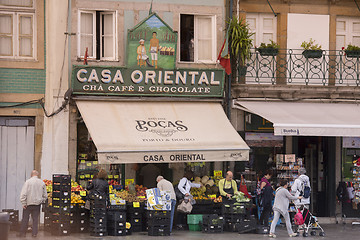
69,43
229,76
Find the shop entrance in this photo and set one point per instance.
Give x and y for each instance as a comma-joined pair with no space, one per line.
319,158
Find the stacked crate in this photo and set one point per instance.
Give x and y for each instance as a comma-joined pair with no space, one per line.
79,218
212,223
13,218
158,222
247,225
194,222
116,220
98,220
233,215
135,216
61,199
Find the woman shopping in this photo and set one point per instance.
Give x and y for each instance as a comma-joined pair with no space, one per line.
266,198
281,206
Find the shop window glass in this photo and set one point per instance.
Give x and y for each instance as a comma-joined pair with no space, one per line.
97,34
197,38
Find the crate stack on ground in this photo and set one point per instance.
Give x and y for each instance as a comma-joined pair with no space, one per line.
79,218
248,224
158,222
212,223
98,219
13,218
116,220
233,215
135,213
194,222
61,199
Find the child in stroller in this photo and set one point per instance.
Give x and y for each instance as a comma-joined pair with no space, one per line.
305,221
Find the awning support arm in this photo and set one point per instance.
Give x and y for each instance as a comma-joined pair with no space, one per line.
273,9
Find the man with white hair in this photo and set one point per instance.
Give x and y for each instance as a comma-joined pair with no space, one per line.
227,188
165,185
32,195
302,187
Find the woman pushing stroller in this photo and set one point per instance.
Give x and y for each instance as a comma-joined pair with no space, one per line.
281,205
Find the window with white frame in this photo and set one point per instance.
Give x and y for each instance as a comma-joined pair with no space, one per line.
97,34
197,38
17,29
263,26
347,31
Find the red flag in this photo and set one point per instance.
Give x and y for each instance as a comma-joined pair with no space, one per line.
225,60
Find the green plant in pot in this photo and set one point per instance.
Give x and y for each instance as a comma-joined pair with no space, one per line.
311,49
270,49
352,51
240,42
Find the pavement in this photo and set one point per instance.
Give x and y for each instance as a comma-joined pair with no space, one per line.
332,231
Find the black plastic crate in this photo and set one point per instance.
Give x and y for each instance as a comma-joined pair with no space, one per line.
116,216
98,223
160,230
158,221
116,224
61,209
60,217
231,227
60,178
247,225
212,228
60,229
61,194
213,219
240,208
117,231
98,234
121,207
159,214
61,202
62,188
136,228
135,220
234,218
98,211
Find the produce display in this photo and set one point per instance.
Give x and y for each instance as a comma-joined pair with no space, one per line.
209,189
48,184
76,199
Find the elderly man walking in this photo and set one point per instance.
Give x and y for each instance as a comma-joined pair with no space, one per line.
165,185
32,195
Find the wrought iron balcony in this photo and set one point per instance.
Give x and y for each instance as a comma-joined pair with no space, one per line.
290,66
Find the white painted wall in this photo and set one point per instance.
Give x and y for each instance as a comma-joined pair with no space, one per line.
56,129
302,27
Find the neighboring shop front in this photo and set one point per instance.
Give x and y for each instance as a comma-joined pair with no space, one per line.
312,131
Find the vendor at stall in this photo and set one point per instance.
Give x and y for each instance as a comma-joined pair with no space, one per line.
227,187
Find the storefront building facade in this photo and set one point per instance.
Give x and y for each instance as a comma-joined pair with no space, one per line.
22,81
305,103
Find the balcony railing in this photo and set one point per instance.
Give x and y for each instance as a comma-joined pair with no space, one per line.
290,66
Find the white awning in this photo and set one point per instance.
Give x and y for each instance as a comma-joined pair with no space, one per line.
307,119
140,132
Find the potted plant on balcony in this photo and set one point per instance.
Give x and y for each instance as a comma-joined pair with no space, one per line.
311,50
270,49
240,42
352,51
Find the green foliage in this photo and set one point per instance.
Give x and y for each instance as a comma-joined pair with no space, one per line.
272,44
240,39
352,48
310,45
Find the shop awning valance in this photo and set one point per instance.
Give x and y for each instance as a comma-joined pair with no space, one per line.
307,119
159,132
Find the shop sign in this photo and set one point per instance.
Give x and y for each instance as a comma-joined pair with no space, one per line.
119,81
351,142
255,123
218,173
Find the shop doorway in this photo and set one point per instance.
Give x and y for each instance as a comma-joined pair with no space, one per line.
319,160
16,159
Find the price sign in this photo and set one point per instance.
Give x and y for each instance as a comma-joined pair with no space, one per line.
136,204
110,189
83,193
212,196
92,176
218,173
95,162
110,176
141,196
82,176
116,176
88,164
82,161
129,181
87,175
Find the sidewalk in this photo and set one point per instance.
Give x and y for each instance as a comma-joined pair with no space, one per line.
332,231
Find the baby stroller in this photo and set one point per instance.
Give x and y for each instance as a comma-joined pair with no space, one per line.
305,221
